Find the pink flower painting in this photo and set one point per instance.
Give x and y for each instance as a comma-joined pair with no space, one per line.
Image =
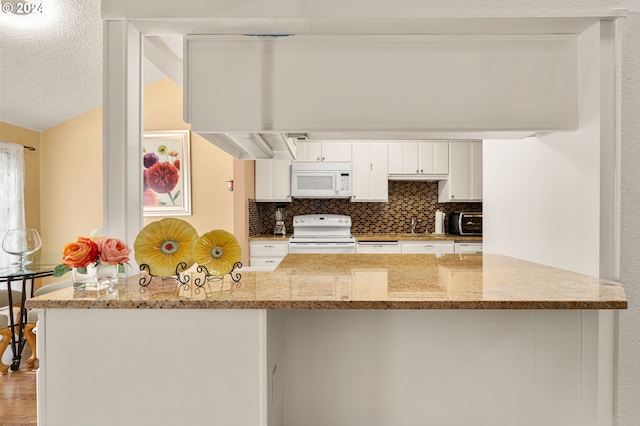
166,180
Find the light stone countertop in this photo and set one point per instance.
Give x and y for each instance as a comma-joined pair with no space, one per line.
384,237
365,281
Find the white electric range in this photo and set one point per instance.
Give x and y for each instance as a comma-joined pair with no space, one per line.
322,233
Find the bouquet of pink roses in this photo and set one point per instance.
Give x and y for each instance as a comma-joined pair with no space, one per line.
91,250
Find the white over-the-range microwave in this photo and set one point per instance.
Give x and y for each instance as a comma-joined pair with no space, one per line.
321,180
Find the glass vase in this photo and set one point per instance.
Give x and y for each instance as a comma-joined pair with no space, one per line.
95,277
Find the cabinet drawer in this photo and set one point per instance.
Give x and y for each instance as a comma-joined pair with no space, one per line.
468,248
378,248
428,247
269,249
265,261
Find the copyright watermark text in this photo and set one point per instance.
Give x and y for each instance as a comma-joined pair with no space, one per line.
19,7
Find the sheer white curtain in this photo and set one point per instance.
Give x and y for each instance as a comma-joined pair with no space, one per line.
11,192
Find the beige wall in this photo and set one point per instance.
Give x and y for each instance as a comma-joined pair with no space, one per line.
63,179
22,136
212,203
71,181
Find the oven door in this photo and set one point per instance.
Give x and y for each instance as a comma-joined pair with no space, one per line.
322,248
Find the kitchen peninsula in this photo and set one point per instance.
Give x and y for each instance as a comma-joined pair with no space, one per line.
334,339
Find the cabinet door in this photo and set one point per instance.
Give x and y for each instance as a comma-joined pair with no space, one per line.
378,172
459,171
302,148
273,180
281,180
476,171
370,175
264,180
360,166
425,160
441,158
336,151
410,158
313,151
395,157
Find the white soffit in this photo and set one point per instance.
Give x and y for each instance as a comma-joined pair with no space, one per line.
564,25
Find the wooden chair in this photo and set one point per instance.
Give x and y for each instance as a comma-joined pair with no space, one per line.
5,331
32,318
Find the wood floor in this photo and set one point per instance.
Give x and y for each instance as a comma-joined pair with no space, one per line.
18,395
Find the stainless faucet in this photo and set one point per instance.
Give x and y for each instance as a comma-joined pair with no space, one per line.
414,222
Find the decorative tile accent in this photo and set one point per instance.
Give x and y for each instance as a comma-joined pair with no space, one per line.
407,199
254,219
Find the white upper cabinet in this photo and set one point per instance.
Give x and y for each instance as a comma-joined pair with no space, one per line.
323,151
418,160
370,171
465,173
273,180
384,82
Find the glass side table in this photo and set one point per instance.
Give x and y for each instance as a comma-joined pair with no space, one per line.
25,278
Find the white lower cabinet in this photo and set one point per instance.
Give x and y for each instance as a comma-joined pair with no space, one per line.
378,247
240,385
468,248
267,253
427,247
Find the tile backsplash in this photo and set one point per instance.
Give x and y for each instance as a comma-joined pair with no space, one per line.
407,199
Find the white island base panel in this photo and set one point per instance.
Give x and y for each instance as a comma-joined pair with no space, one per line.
326,367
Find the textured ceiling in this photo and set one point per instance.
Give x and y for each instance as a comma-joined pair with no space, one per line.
51,70
51,64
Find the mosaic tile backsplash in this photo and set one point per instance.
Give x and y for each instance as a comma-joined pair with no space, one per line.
407,199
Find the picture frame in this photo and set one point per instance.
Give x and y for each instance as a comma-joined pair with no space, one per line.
166,165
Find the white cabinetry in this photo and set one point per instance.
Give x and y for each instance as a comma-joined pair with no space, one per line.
378,247
370,171
249,368
267,253
273,180
323,151
427,247
465,173
468,247
418,160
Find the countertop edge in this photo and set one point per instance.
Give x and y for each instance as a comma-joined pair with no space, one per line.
315,305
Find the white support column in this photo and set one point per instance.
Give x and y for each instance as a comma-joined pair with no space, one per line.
609,151
122,131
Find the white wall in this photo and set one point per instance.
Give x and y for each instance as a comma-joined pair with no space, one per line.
541,194
629,346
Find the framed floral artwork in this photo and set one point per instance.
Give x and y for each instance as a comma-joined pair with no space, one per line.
166,173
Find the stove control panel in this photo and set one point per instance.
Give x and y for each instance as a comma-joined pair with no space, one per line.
322,220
